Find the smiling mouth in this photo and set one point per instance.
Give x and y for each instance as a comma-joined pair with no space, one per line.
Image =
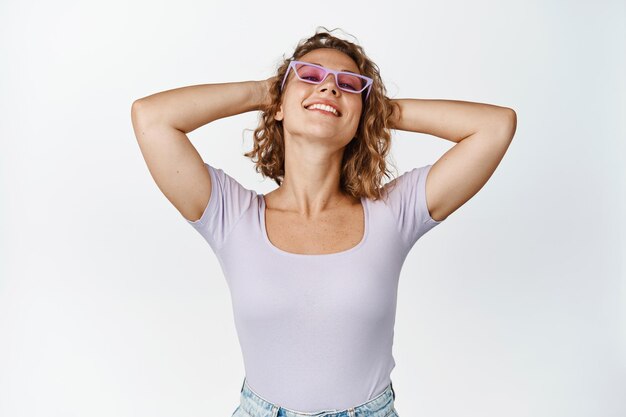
327,113
329,110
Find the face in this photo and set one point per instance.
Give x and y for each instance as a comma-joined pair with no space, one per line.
301,121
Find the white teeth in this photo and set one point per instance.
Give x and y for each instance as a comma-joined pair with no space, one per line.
323,107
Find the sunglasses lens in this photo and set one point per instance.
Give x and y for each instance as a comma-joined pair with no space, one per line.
351,82
310,73
315,75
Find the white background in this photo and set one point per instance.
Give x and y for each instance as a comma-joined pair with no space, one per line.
111,305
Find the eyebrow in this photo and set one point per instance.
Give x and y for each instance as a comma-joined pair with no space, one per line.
344,70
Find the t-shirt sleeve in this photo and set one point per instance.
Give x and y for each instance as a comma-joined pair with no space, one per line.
227,204
407,200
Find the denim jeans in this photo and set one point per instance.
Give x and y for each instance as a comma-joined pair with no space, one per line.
253,405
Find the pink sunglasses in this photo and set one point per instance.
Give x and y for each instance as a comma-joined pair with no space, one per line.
315,74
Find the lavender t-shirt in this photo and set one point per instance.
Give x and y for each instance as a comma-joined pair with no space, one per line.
316,331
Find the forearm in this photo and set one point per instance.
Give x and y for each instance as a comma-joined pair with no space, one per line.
188,108
448,119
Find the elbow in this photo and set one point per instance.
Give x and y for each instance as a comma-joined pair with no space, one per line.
136,106
511,113
139,111
510,124
134,112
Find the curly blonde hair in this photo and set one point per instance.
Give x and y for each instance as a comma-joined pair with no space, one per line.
364,159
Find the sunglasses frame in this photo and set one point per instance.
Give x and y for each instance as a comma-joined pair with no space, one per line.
327,71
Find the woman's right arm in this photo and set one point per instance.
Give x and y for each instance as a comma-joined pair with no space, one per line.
188,108
161,122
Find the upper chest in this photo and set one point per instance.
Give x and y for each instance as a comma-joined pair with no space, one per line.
333,231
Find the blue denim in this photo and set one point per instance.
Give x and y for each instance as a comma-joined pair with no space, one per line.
253,405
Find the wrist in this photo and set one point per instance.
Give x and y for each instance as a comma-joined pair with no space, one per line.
394,119
262,94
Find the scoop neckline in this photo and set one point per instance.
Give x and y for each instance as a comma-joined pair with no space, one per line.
276,249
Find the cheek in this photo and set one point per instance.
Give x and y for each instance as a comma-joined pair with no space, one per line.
292,104
357,110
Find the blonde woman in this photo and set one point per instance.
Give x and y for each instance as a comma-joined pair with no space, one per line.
313,266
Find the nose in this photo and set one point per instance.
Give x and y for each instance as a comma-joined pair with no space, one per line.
329,82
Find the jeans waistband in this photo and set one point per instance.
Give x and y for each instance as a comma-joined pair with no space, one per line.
256,406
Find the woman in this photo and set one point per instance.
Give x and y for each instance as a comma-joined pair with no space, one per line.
313,266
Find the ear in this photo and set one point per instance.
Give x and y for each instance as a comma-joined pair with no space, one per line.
279,114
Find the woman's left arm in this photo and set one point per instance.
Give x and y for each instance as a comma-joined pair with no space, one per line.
482,132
